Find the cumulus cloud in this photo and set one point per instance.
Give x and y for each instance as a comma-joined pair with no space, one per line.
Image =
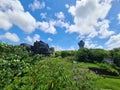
88,14
50,39
10,36
113,42
104,31
62,24
12,13
37,5
43,15
90,44
50,26
60,15
67,6
36,37
47,27
59,48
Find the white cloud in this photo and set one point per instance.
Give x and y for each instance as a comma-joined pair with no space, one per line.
104,29
29,39
89,44
50,26
47,27
36,37
10,36
62,24
43,15
71,48
113,42
87,16
12,13
59,48
67,6
60,15
50,39
37,5
72,10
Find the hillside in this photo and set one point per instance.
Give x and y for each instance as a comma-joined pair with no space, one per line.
63,70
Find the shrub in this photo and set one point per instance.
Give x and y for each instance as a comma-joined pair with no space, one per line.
57,54
116,58
82,54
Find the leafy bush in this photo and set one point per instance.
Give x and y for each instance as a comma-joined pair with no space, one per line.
64,54
91,55
57,54
10,52
98,54
82,54
52,74
115,54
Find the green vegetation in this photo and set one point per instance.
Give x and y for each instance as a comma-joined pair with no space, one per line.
63,70
108,83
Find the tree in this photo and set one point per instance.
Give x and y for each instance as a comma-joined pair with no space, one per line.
97,54
81,44
115,53
116,58
82,54
52,50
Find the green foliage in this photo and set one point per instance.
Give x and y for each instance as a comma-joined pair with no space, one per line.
91,55
10,52
107,84
52,50
98,54
116,56
64,54
52,74
108,68
57,54
82,54
21,70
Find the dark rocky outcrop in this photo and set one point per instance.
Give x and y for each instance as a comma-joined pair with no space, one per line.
81,44
39,47
28,46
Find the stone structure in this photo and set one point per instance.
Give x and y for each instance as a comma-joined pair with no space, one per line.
81,44
39,47
28,46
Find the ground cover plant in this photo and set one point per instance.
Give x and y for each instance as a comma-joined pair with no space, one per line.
21,70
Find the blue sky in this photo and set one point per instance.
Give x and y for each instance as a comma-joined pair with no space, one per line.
61,23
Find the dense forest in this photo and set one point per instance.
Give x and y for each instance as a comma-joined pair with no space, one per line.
83,69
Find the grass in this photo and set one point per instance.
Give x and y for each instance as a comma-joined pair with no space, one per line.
102,83
107,84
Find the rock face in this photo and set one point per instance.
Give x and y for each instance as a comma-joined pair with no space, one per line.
39,47
28,46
